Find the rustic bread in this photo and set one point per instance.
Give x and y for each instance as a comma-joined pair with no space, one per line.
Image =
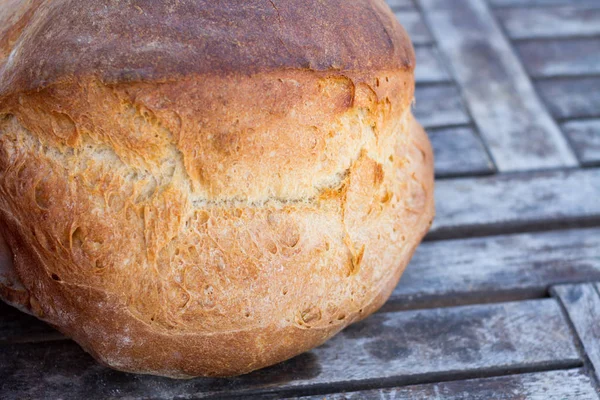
206,187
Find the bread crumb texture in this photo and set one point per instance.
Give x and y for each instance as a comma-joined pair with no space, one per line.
210,224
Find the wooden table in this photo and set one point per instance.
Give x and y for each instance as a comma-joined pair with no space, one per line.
500,301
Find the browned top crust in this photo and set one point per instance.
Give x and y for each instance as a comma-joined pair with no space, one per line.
44,42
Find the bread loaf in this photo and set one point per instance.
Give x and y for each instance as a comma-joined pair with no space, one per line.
206,187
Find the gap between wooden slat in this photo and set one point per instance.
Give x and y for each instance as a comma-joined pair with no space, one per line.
581,305
386,383
465,299
565,77
532,226
549,385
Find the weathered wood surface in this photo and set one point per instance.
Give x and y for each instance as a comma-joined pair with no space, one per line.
400,4
551,385
18,327
459,151
429,66
497,268
564,57
529,3
571,97
397,348
412,21
439,105
585,138
550,22
518,130
512,202
582,304
472,71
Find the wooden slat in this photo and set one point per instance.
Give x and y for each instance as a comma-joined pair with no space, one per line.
582,304
552,385
495,268
18,327
439,105
529,3
459,151
429,67
509,202
398,4
415,26
550,22
400,347
585,138
518,130
547,58
571,97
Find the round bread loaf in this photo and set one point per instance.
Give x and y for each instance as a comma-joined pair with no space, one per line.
206,187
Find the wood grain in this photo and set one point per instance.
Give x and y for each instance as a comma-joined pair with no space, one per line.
565,57
459,151
439,105
494,268
412,21
512,202
551,385
429,67
585,138
582,304
399,348
571,97
518,130
550,22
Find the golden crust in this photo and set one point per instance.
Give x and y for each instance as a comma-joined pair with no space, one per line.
268,281
209,224
304,127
